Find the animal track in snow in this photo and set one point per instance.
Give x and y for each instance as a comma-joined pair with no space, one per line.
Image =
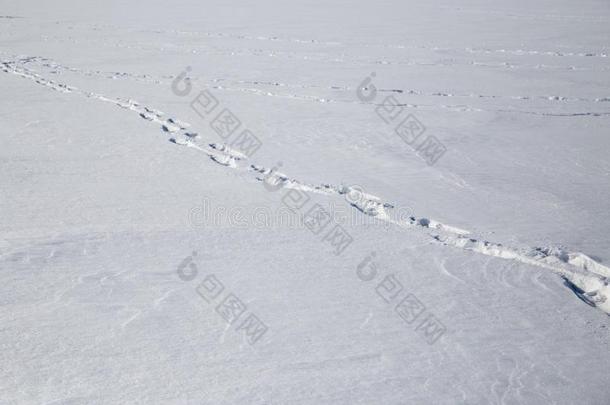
325,58
213,83
520,52
274,38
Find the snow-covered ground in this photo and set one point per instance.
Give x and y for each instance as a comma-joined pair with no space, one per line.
327,202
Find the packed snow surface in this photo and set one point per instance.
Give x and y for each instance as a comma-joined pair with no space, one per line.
394,202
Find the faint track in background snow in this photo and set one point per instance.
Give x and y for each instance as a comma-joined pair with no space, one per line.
54,67
359,61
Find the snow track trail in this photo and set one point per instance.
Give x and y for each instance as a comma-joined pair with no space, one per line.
344,94
584,276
